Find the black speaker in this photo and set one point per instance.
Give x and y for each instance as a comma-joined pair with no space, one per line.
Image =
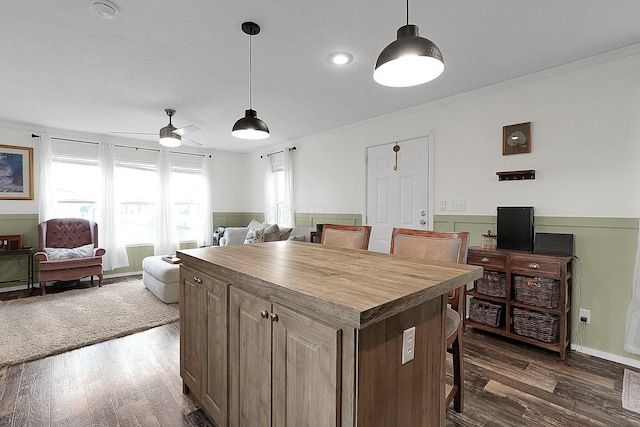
553,243
515,228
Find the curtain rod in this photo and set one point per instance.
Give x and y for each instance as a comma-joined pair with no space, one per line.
33,135
278,152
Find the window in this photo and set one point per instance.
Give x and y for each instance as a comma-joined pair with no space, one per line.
136,192
75,183
278,181
186,188
276,193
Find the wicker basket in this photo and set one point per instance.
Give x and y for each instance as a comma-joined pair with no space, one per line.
536,325
537,291
485,312
493,284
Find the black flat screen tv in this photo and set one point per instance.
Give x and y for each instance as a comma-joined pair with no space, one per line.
515,228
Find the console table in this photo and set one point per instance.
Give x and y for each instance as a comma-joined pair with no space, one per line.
292,333
16,253
525,318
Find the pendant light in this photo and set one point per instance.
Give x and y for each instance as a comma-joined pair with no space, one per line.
411,60
250,126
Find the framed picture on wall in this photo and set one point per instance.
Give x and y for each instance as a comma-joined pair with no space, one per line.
516,138
16,173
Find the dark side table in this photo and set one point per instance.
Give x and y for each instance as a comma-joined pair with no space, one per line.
16,254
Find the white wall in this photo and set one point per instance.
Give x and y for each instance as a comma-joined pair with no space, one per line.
585,149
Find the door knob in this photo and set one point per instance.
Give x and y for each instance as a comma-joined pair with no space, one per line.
423,213
423,222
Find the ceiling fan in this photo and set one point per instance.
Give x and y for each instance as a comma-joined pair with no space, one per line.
170,136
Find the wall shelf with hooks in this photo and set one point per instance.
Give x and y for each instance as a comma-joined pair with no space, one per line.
516,175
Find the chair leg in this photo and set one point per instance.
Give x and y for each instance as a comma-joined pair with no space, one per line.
458,372
92,280
43,288
99,280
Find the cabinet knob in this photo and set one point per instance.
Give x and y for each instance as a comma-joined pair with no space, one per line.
264,314
197,280
274,317
485,260
534,266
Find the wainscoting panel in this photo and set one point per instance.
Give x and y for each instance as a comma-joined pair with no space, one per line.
27,225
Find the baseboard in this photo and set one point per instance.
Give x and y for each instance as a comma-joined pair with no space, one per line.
128,273
14,288
607,356
85,279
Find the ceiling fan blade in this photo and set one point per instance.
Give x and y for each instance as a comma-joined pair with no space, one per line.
191,142
186,129
136,133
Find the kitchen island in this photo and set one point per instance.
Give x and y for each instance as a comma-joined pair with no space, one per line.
293,333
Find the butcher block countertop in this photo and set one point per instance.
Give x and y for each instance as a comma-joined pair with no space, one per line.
350,287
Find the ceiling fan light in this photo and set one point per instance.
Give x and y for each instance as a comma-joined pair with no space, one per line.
168,138
250,127
411,60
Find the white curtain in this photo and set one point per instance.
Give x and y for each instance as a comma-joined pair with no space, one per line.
632,331
270,202
207,197
167,242
289,206
109,235
46,196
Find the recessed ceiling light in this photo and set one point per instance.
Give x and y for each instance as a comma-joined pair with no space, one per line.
105,8
340,58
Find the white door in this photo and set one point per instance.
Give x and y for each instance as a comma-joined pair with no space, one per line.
397,190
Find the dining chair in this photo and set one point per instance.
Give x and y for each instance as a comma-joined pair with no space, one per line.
450,247
346,236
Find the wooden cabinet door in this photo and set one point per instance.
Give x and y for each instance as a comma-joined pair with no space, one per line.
192,329
214,386
306,371
249,360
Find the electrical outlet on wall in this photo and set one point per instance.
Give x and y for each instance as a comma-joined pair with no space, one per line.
408,344
585,316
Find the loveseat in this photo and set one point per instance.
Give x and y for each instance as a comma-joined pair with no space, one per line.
257,232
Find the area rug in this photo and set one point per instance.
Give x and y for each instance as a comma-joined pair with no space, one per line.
631,391
34,327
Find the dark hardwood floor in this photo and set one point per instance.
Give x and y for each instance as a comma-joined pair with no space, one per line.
135,381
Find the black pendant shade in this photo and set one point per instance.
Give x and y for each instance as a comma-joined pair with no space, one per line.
410,60
250,127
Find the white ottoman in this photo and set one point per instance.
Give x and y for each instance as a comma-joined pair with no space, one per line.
161,278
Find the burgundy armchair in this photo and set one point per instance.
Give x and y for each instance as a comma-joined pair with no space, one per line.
57,238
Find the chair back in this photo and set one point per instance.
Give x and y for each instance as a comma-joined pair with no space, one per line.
433,246
346,236
67,233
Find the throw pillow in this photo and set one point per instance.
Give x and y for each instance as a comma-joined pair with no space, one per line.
68,253
271,232
254,235
254,224
285,233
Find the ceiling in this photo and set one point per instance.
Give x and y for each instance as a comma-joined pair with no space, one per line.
65,67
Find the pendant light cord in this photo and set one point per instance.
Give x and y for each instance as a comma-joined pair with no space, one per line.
407,12
250,74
